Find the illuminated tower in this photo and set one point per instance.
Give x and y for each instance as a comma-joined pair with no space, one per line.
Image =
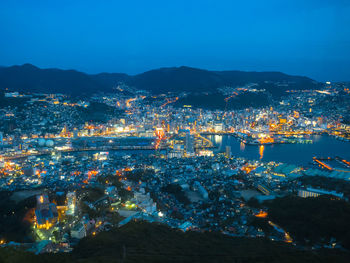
160,133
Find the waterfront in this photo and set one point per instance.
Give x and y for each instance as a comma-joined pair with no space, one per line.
300,154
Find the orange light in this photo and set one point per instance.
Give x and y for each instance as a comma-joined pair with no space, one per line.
323,164
262,214
287,238
266,140
345,161
248,168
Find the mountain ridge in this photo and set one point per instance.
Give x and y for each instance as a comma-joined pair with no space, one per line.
30,78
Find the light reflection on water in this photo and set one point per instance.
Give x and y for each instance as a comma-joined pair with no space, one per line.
242,146
261,151
218,139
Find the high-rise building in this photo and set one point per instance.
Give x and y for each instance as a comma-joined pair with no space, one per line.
228,151
75,133
189,144
71,203
2,162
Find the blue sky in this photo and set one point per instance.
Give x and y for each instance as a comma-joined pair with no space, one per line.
310,38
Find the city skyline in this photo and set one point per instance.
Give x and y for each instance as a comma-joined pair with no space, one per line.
297,38
175,131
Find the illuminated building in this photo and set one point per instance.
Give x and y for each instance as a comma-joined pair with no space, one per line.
78,231
282,120
160,133
265,190
189,144
248,168
205,153
177,152
286,170
144,202
218,127
71,203
102,156
45,213
2,162
312,192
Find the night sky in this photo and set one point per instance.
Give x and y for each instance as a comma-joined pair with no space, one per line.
308,37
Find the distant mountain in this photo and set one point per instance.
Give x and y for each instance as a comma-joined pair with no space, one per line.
28,78
109,80
198,80
177,79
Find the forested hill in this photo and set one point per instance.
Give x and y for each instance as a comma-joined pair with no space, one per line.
145,242
29,78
